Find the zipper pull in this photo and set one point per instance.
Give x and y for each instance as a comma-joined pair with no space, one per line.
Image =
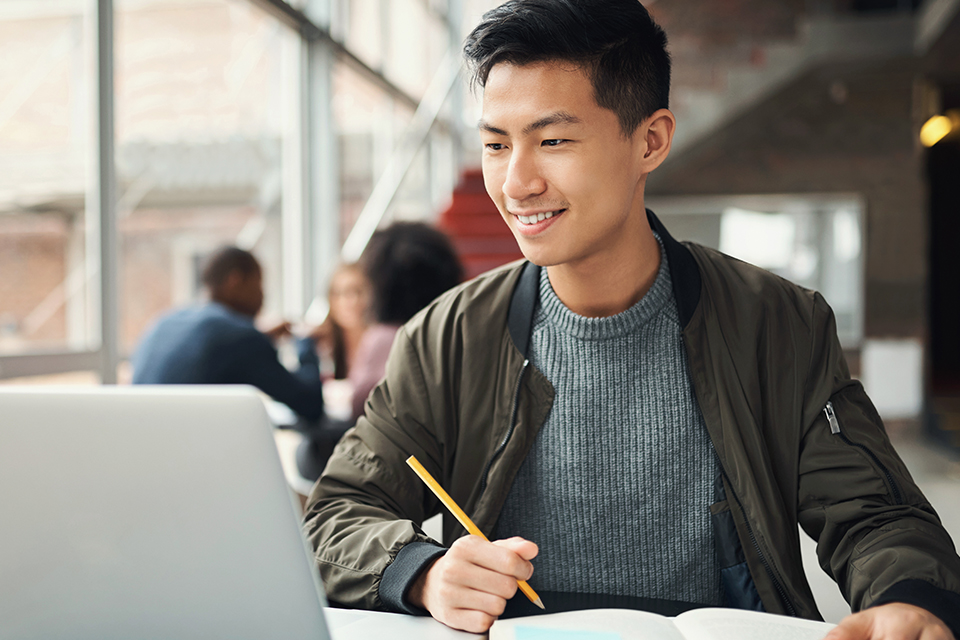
832,418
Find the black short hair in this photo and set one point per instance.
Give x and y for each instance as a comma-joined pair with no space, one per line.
408,264
225,261
616,41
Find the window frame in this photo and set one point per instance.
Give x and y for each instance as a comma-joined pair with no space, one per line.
310,227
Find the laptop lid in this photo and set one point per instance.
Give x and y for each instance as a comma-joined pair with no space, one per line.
148,512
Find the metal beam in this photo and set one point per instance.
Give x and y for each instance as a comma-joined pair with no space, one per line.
42,364
310,31
296,174
932,20
324,166
106,209
291,16
400,161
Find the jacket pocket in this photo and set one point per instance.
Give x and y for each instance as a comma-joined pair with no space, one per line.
736,583
835,428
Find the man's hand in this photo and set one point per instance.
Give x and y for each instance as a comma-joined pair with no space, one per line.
468,587
894,621
277,331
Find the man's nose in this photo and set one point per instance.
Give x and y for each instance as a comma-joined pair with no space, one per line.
524,178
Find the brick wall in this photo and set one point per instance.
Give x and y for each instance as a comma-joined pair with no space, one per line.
837,128
32,250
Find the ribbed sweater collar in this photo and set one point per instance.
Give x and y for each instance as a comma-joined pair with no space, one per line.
657,300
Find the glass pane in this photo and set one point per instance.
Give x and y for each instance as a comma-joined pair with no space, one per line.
379,33
411,62
45,133
814,241
414,198
368,125
362,24
206,94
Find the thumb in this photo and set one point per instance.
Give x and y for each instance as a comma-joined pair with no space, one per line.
520,546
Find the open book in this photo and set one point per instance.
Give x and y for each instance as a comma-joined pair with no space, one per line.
626,624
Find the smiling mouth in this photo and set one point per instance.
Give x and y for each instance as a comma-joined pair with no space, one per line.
539,217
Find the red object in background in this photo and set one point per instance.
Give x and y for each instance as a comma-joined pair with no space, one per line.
473,223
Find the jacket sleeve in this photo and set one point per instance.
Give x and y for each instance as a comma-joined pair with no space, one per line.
256,363
369,505
876,533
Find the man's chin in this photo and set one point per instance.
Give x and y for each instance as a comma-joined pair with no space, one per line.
539,258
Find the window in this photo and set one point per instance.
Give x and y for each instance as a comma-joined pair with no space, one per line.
223,130
47,289
203,92
812,240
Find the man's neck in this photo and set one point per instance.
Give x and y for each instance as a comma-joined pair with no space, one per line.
231,307
607,285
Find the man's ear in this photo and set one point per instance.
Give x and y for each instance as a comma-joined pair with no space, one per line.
657,131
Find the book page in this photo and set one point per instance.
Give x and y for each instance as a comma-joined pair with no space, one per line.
736,624
590,624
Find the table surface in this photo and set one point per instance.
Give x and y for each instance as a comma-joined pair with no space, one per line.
349,624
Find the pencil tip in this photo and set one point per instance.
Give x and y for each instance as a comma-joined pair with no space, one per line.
539,603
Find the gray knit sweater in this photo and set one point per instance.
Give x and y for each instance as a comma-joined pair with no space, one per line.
617,487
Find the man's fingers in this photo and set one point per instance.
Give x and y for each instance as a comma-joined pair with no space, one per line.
452,602
845,632
497,584
523,548
462,573
893,621
468,620
853,627
470,599
469,586
495,556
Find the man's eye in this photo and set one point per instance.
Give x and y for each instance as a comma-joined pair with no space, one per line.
494,146
552,143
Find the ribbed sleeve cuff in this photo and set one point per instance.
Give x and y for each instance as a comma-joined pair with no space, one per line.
400,575
940,602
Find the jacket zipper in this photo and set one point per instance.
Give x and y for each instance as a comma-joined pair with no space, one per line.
791,610
510,428
763,560
835,429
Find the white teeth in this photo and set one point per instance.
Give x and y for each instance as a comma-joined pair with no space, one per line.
538,217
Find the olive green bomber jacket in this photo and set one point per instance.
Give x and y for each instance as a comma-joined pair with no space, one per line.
797,441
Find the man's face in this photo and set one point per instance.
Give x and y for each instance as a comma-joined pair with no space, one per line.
247,293
564,177
349,298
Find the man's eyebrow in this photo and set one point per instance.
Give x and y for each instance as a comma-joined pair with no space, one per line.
560,117
485,126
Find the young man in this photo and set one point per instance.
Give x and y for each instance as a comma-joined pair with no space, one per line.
655,416
217,342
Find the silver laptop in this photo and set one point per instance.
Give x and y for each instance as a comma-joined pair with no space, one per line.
148,512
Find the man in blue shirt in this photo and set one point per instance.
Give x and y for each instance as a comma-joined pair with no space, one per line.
217,342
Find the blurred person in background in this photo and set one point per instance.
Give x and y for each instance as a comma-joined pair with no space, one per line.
348,319
407,264
217,342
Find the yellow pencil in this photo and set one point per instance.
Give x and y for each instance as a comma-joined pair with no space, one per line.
464,519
